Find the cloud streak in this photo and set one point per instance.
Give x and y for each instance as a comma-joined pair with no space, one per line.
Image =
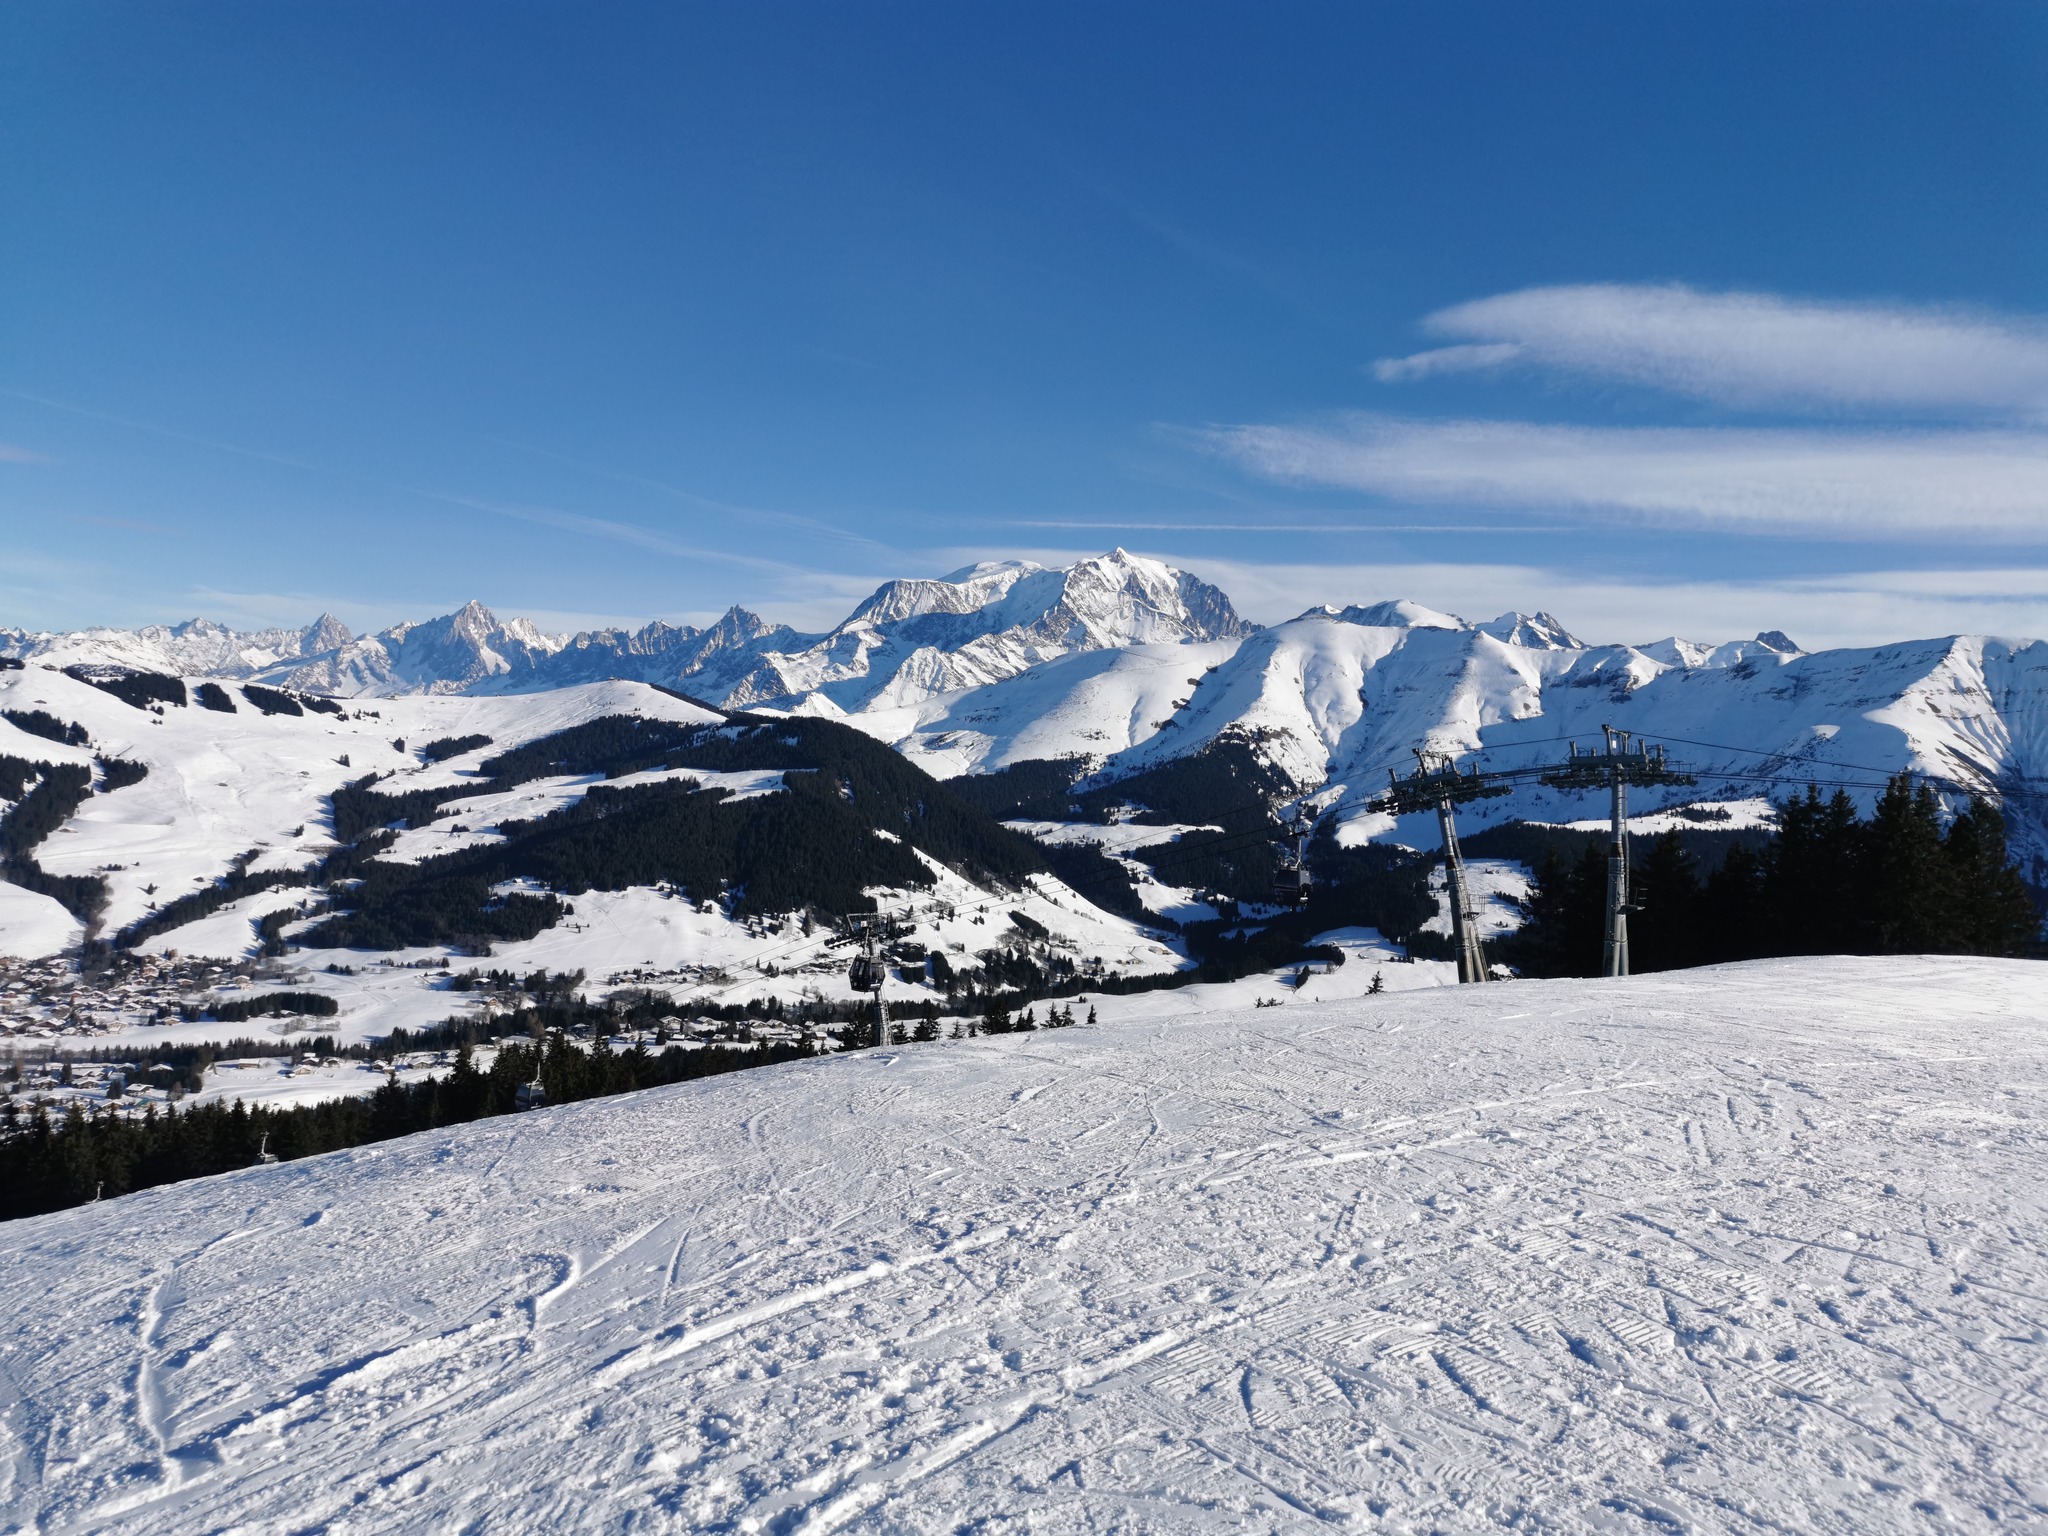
1989,485
1749,349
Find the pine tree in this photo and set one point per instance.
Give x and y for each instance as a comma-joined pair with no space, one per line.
1565,914
1994,915
1812,895
1664,935
1908,886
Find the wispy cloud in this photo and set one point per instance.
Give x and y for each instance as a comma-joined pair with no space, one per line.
1175,526
1750,348
13,453
1894,484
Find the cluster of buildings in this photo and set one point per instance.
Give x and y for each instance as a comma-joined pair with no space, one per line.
44,999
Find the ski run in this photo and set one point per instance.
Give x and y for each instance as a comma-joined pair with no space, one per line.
1752,1249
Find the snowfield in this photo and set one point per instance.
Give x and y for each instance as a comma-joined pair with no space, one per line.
1752,1249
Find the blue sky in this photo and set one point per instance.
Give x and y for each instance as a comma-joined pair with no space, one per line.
1672,316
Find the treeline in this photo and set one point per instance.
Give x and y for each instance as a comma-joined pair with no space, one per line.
57,795
40,722
237,1009
120,772
139,689
277,701
46,1166
441,748
1828,882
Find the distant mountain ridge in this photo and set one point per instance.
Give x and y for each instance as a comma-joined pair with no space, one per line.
1123,664
909,640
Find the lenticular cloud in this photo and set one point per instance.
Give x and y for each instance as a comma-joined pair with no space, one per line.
1749,348
1981,484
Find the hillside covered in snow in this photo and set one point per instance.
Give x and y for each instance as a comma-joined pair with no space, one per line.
1753,1250
1122,664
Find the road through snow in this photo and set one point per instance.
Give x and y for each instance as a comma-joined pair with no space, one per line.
1750,1249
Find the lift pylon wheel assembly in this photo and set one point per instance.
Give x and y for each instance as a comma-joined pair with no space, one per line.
1622,761
1436,785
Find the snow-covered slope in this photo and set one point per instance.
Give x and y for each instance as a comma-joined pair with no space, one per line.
196,648
913,640
223,785
1756,1249
1091,704
1336,699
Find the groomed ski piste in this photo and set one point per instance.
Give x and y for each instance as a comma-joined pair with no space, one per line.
1758,1249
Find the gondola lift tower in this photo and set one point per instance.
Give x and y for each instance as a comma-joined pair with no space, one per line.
1436,785
1622,761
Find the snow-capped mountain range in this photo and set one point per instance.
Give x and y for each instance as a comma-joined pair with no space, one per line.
1129,662
911,640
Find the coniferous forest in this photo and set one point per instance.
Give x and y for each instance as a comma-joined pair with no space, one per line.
46,1165
1828,882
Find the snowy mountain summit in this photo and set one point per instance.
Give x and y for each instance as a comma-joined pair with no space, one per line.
913,640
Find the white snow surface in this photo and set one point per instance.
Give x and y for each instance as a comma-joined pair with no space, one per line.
33,925
1753,1249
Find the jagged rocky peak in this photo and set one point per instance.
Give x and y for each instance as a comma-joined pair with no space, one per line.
1126,599
738,625
326,633
1777,640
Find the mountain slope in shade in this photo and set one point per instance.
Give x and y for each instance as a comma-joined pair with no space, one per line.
1586,1265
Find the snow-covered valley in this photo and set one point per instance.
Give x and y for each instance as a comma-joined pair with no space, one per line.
1760,1248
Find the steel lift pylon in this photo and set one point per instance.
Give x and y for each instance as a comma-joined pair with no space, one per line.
1622,761
1436,785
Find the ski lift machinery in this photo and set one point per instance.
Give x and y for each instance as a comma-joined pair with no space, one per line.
1292,881
868,970
1436,785
1622,761
531,1095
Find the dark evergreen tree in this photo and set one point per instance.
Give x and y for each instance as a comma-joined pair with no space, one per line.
1664,931
1733,924
1812,889
1910,904
1994,914
1564,918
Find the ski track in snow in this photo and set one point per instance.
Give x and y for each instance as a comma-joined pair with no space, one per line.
1752,1249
